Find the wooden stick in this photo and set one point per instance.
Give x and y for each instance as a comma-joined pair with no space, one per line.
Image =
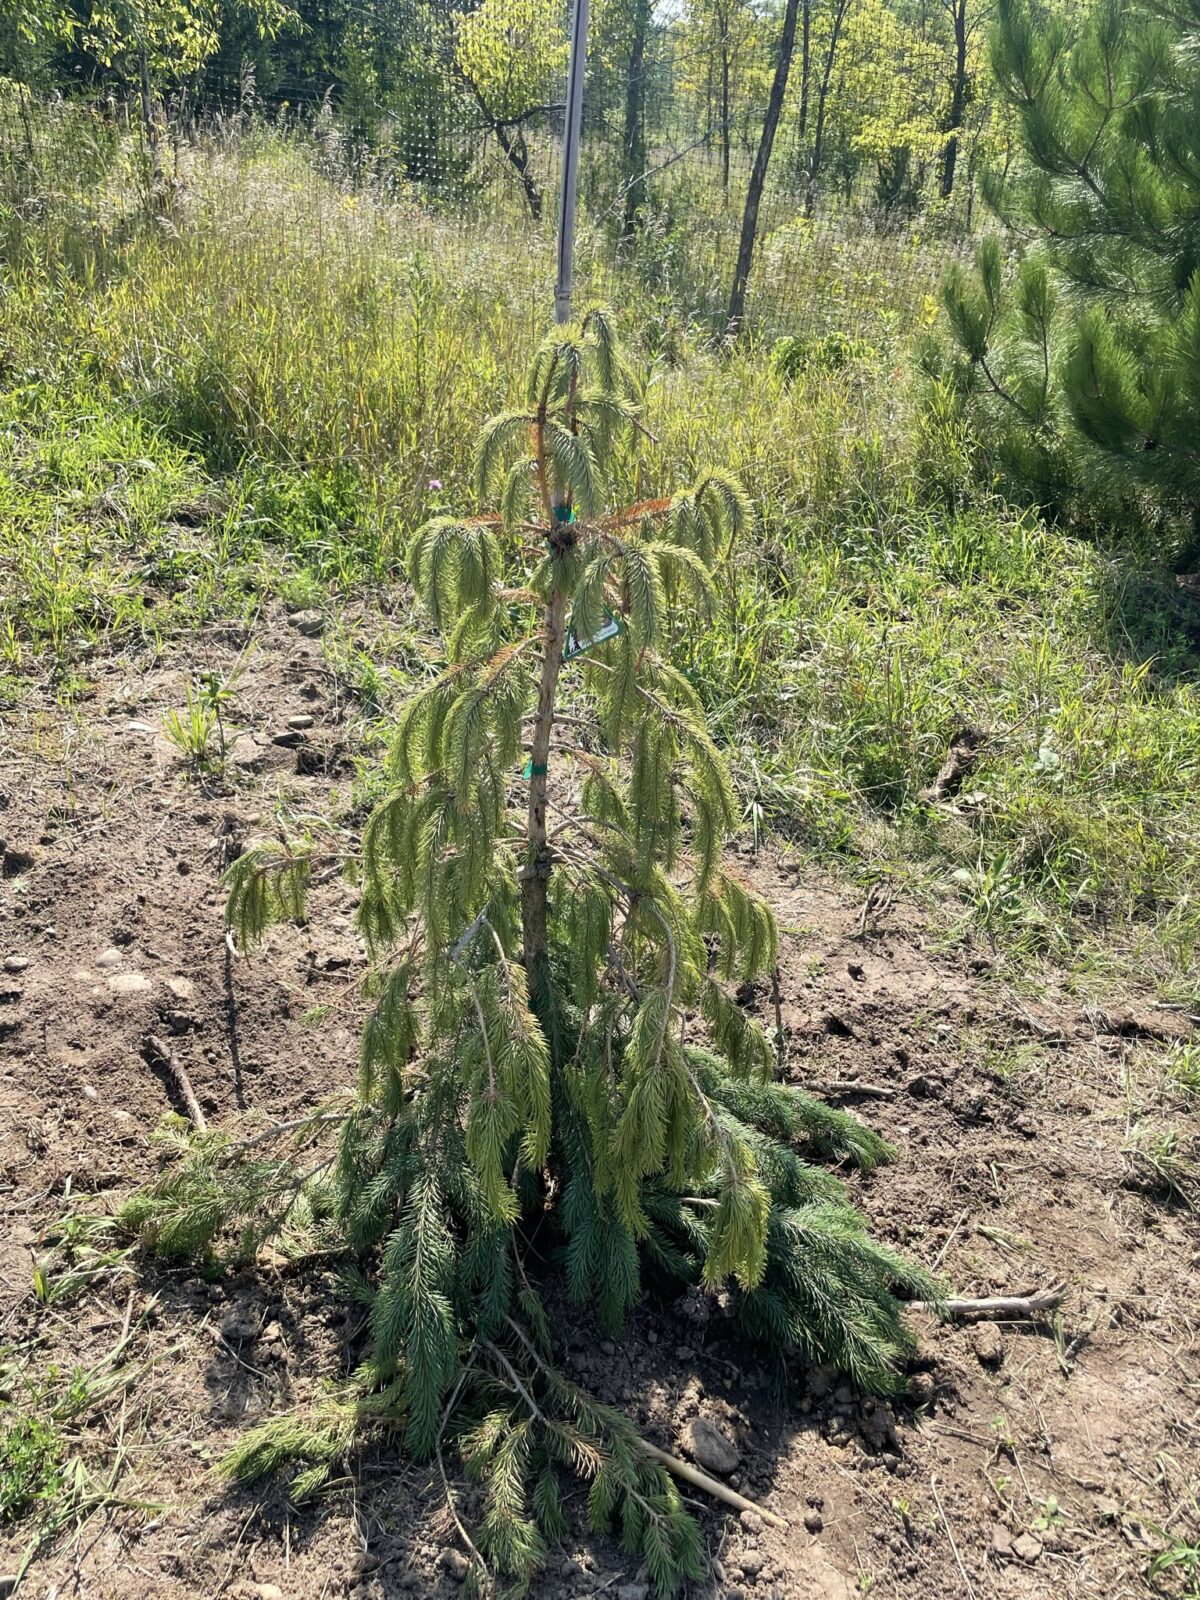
950,1238
869,1091
183,1083
950,1535
1000,1308
964,752
278,1129
701,1480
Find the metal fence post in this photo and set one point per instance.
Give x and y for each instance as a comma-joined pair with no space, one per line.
570,172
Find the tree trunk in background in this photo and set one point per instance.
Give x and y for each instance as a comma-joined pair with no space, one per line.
150,120
509,137
634,139
710,121
758,175
517,152
805,65
958,98
818,152
726,131
30,147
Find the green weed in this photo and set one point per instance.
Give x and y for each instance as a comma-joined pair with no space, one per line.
1183,1066
31,1455
1179,1559
191,730
1160,1161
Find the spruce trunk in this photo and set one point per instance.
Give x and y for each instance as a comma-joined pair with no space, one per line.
535,884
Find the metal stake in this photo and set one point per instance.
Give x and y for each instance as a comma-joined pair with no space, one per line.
571,134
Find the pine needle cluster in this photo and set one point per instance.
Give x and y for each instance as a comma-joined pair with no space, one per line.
553,1070
1079,358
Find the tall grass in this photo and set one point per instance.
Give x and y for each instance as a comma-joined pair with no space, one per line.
271,386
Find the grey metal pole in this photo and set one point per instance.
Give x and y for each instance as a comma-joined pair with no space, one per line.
571,134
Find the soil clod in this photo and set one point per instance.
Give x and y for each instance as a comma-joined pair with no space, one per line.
710,1447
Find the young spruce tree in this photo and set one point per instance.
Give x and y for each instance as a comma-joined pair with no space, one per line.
1084,363
554,1070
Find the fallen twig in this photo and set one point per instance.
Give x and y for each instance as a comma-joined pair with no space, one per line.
962,755
278,1129
869,1091
998,1308
160,1048
777,1002
949,1240
701,1480
949,1534
447,1491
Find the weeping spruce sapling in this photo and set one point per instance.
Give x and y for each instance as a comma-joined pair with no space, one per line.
554,1071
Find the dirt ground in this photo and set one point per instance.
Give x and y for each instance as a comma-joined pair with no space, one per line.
1028,1460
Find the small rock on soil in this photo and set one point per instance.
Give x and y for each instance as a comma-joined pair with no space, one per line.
709,1447
456,1564
1027,1547
988,1343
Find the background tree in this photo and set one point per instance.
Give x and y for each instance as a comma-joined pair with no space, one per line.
719,40
31,32
967,19
511,57
827,60
882,111
157,43
633,141
762,161
1106,194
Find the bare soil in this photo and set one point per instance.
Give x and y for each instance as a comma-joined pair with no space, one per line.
1028,1460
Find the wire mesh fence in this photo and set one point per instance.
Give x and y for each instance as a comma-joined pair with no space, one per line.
442,123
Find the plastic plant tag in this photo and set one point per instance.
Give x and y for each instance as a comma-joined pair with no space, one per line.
608,629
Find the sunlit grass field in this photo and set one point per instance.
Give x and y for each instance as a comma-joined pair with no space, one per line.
257,397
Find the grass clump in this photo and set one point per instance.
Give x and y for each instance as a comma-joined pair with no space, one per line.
321,429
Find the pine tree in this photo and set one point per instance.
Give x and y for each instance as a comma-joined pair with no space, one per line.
1086,359
553,1051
